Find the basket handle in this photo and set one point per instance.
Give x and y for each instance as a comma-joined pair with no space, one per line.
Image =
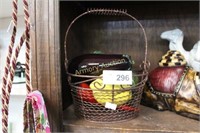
108,12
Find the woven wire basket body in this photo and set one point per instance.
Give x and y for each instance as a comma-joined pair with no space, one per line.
90,101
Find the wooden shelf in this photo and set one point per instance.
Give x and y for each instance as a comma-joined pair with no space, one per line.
49,21
149,120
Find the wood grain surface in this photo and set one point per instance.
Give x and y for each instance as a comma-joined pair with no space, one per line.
50,20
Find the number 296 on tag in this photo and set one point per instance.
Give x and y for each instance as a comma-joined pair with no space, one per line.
117,77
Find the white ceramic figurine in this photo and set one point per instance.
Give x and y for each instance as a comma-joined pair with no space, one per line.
175,38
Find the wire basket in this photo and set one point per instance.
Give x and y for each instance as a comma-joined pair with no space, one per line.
90,103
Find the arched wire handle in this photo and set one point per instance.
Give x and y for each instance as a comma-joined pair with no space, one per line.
107,12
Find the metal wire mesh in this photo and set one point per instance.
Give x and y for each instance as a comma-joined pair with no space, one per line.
93,108
89,104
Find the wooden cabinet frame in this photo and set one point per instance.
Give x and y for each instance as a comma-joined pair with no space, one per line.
45,57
